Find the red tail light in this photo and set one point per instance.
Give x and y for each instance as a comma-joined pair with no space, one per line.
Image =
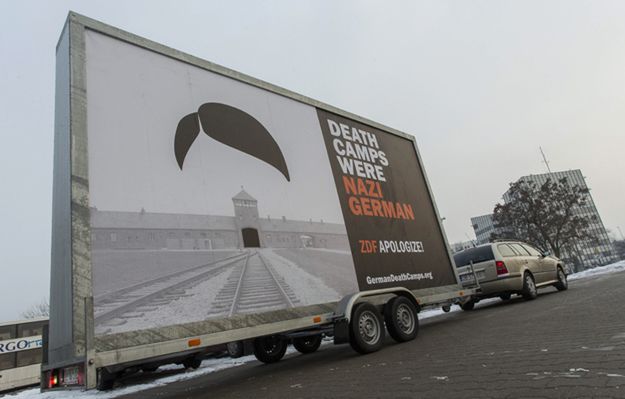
501,268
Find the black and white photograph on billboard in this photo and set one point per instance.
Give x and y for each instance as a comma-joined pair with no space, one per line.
208,197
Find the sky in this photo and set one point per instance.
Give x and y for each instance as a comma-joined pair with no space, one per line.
480,84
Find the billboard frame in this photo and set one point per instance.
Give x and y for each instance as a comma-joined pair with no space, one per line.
72,336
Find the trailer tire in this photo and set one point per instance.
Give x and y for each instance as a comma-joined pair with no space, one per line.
468,305
270,349
308,344
235,349
400,316
192,363
105,379
366,329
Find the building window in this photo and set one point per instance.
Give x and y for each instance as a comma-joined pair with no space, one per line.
113,237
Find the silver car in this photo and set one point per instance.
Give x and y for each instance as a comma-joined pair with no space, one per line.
505,268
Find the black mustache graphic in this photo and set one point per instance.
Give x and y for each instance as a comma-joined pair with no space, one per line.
232,127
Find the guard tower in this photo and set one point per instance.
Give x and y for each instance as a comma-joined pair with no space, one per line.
246,220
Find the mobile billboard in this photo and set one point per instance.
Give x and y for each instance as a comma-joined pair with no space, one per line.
210,197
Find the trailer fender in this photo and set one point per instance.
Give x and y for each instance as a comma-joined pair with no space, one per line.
345,305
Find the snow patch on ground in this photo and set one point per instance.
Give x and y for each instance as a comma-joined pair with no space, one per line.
310,290
608,269
208,366
190,307
426,314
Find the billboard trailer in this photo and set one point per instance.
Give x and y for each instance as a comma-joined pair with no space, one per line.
197,210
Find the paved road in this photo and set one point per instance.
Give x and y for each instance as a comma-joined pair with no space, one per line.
562,345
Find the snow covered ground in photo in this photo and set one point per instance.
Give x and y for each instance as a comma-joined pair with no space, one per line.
212,365
613,268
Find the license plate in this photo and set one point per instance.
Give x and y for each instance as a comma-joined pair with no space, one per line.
70,376
464,278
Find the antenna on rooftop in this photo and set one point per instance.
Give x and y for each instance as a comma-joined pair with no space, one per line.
545,159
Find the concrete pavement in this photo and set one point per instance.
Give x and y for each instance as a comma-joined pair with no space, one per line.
567,344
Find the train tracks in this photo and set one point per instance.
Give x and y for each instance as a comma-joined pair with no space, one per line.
252,285
154,293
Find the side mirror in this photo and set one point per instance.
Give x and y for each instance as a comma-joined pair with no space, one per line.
545,254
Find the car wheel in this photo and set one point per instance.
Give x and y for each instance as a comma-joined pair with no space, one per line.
529,290
400,316
505,297
468,305
562,284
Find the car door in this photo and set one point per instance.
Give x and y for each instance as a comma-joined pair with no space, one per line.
547,264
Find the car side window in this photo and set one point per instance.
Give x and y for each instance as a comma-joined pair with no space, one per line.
505,250
520,249
533,251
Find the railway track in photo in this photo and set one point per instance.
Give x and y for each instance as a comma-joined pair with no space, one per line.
134,300
252,287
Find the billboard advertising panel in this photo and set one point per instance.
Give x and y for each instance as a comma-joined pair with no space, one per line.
210,197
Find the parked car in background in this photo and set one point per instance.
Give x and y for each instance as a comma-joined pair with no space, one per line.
505,268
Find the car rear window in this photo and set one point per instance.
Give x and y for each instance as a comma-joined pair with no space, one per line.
479,254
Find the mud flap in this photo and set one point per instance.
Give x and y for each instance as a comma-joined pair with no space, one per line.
341,331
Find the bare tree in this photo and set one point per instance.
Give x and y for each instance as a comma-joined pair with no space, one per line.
547,216
41,309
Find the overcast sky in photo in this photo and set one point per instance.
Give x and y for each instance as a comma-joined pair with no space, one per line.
480,84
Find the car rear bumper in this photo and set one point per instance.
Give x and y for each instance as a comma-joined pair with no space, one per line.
512,283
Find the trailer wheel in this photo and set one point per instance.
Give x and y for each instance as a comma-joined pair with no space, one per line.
400,316
307,344
235,349
192,363
270,349
366,329
468,305
105,379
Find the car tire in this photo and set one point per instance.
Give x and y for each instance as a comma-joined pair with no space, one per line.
400,317
308,344
563,283
529,290
505,297
366,329
468,305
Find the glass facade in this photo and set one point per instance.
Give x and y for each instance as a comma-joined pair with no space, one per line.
483,227
586,253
